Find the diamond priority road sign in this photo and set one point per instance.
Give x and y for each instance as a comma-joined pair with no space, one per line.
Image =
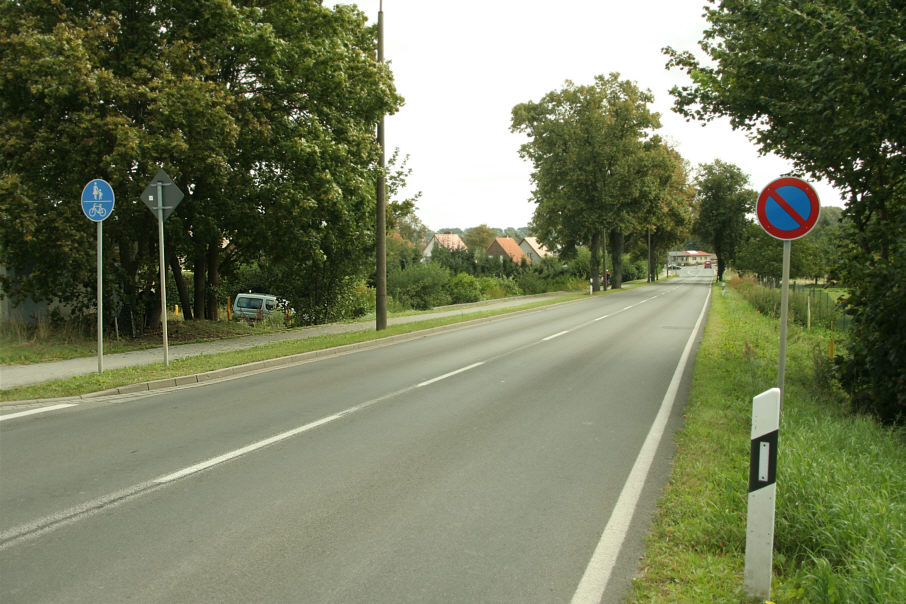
168,193
788,208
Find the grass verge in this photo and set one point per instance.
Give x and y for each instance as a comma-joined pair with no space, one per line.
840,532
114,378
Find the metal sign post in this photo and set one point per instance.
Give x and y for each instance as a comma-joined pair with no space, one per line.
163,271
162,196
97,204
787,209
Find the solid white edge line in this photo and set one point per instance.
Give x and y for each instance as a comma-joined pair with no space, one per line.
3,418
451,374
597,573
556,335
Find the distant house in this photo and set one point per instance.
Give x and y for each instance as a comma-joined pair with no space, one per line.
690,257
533,249
506,247
451,241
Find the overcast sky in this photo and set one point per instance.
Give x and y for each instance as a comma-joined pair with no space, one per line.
463,65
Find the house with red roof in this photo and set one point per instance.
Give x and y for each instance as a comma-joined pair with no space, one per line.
506,247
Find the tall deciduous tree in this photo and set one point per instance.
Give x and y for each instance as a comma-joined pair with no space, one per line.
723,200
823,83
477,239
262,112
590,147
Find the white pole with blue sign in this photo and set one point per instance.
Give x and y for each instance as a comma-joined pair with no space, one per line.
97,205
787,209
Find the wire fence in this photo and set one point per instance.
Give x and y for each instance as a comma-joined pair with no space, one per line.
809,305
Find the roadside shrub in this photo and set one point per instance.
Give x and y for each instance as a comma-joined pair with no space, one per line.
419,286
455,261
464,288
633,271
803,302
359,301
494,288
531,282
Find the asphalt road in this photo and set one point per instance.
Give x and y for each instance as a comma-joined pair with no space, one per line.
515,461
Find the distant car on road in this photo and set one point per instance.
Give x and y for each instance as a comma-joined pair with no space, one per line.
707,264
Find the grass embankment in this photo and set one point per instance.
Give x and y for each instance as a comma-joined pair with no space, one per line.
113,378
20,344
840,532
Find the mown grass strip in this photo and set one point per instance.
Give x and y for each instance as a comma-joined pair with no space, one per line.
840,532
203,363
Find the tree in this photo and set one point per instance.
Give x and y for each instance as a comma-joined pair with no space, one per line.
477,239
723,202
590,147
669,219
821,83
762,255
400,210
263,113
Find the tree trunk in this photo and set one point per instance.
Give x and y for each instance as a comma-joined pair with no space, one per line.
595,275
173,260
605,280
213,258
130,291
617,240
199,286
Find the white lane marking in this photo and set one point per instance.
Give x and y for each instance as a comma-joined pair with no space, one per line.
3,418
53,521
451,374
627,307
601,318
597,573
556,335
48,523
214,461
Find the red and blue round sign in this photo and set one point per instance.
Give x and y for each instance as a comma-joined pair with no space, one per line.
788,208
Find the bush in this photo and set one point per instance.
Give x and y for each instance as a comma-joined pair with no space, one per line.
493,288
419,286
531,282
633,271
464,288
803,301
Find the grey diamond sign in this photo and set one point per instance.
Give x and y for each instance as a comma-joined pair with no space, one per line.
162,194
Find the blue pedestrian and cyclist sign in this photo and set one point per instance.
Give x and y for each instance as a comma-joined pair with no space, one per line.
97,200
788,208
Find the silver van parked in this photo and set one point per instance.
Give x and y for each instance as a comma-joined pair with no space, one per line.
254,307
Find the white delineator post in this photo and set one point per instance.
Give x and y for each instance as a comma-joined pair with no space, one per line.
762,494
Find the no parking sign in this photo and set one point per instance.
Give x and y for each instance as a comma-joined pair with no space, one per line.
788,208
